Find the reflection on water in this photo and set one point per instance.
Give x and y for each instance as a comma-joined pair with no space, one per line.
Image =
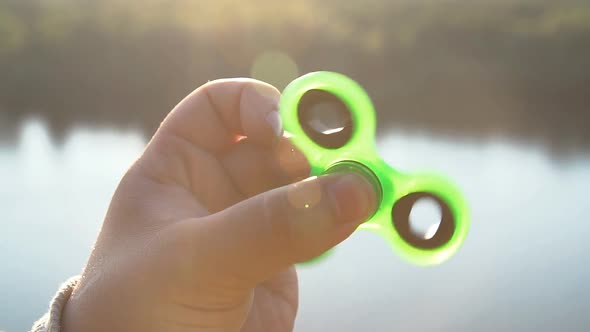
52,202
522,268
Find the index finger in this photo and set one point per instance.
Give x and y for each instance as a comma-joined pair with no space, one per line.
217,114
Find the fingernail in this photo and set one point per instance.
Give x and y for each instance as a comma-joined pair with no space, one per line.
274,121
268,93
353,198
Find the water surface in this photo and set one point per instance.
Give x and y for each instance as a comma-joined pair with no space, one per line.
522,268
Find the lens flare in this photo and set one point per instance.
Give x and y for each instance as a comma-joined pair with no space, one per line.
274,67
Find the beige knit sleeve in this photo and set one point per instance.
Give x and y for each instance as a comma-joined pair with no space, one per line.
51,321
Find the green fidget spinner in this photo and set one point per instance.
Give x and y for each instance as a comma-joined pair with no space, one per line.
352,148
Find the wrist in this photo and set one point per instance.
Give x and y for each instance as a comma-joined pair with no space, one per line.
52,321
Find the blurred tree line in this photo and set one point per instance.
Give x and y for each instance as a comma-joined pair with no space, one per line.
519,68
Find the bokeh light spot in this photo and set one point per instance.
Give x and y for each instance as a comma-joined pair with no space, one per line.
374,41
274,67
12,33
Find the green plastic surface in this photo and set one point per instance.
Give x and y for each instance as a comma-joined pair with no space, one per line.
360,153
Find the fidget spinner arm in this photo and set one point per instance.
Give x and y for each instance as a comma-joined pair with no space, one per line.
353,149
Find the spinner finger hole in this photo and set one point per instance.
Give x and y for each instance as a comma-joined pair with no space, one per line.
325,119
423,220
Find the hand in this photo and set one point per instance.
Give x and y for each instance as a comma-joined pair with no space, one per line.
203,230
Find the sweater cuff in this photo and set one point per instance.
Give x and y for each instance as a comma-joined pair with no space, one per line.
51,321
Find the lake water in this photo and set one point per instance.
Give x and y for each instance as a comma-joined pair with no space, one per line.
524,266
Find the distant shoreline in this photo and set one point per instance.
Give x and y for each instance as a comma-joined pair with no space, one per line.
476,69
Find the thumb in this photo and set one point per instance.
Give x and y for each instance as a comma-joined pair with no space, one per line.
262,235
